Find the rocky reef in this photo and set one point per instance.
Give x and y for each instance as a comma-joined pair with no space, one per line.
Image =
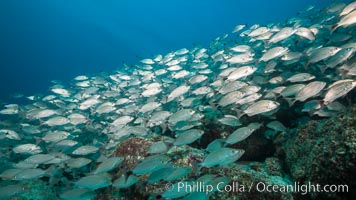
322,152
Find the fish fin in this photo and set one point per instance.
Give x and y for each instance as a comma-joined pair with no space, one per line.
324,68
239,113
169,144
276,96
329,27
224,59
145,121
165,100
334,27
42,123
322,103
164,127
257,62
267,44
343,74
290,101
38,140
50,171
272,117
196,167
92,111
215,105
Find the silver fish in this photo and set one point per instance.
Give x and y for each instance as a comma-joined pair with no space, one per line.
85,150
310,90
28,174
292,90
301,77
349,8
258,31
108,165
241,134
78,162
261,107
27,149
222,156
179,91
241,58
125,182
274,53
230,120
158,147
151,164
241,48
238,28
277,126
323,53
283,34
39,158
188,137
230,98
305,33
94,181
338,90
241,72
55,136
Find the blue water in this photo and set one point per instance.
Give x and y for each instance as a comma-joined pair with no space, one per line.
42,40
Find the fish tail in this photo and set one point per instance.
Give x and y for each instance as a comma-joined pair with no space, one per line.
322,103
290,101
145,122
215,105
323,69
196,168
164,127
38,140
239,113
344,73
42,123
164,100
257,62
334,27
267,43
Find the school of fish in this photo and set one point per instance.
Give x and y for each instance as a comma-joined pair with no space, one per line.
246,80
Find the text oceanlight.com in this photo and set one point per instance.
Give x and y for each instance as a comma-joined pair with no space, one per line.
189,187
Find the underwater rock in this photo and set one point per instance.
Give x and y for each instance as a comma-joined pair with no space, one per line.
249,174
30,190
323,152
257,147
133,150
274,166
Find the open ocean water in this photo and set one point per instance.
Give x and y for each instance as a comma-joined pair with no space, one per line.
136,99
